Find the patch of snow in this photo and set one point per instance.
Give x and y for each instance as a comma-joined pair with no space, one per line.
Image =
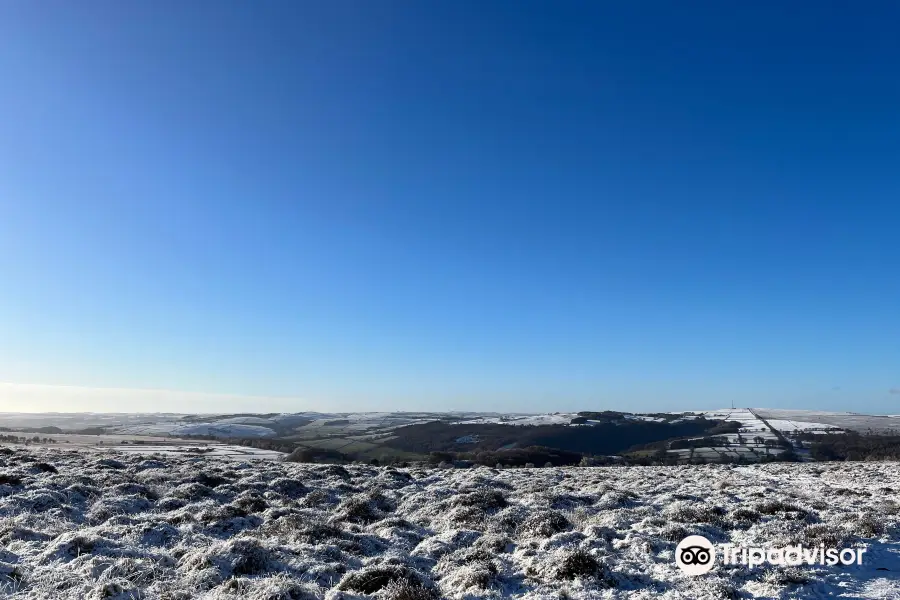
523,420
217,429
637,417
786,426
245,421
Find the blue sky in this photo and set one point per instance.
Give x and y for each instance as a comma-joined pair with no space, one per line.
451,205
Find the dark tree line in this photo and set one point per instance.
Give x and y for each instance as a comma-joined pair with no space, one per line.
851,446
263,444
517,457
608,437
17,439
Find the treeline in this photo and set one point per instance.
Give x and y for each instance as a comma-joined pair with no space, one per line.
262,444
606,438
90,431
604,416
611,416
663,458
715,442
701,442
33,429
206,418
721,427
317,455
516,457
851,446
16,439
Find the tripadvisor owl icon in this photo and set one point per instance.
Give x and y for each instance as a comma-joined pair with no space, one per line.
695,555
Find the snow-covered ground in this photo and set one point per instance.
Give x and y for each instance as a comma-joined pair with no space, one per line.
213,425
467,439
844,420
228,451
151,445
90,525
518,419
645,418
788,426
547,419
248,420
218,429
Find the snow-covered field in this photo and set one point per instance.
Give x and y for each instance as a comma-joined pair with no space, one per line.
788,426
844,420
144,445
88,525
223,426
545,419
213,429
645,418
229,451
753,440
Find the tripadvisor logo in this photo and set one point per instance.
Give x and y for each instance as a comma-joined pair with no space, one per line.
696,555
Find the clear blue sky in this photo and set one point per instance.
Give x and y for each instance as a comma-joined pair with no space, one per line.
497,205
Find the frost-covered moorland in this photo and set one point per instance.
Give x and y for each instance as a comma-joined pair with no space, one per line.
82,525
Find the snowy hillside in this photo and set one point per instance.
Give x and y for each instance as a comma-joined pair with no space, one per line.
83,525
218,429
843,420
545,419
788,426
754,438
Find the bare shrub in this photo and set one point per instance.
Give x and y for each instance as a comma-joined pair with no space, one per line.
291,488
170,504
402,589
484,500
477,574
133,489
831,535
11,577
251,502
674,532
544,524
358,509
889,507
493,543
784,576
715,589
785,510
742,518
10,479
191,492
42,467
278,587
868,525
304,529
697,513
71,545
210,480
576,564
12,533
116,590
245,556
372,579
